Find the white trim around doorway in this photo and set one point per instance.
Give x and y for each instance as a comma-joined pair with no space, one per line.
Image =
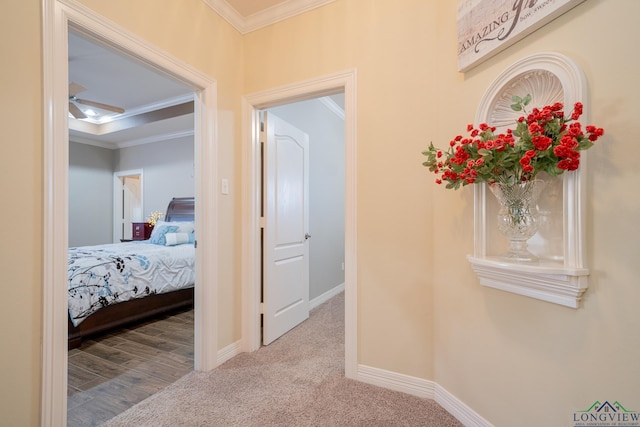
117,199
344,81
57,17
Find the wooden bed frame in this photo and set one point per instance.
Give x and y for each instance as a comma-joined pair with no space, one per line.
128,312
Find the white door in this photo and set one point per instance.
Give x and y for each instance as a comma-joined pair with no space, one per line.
285,250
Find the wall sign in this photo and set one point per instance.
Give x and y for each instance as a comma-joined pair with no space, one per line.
485,27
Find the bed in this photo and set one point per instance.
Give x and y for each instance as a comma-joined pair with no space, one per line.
114,285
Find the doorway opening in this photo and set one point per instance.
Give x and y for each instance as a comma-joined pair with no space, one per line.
110,346
128,205
59,19
303,205
341,82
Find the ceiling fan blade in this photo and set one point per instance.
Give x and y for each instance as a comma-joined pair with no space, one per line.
76,112
75,88
100,105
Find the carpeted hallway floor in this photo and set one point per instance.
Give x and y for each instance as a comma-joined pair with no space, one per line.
296,381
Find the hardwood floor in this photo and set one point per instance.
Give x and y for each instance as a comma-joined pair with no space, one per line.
111,373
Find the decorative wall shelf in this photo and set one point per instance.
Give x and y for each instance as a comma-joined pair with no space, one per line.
561,276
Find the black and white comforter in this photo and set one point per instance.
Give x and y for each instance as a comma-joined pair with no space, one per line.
107,274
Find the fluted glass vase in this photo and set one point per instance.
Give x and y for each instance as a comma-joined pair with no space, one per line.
518,217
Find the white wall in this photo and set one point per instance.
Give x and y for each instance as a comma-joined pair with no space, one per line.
326,188
167,170
90,195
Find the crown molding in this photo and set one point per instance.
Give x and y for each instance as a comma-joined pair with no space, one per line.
331,105
269,16
229,14
140,141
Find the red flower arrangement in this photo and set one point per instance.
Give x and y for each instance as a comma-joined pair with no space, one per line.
543,140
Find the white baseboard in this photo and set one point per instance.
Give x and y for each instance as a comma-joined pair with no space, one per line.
422,388
326,296
229,351
458,409
397,382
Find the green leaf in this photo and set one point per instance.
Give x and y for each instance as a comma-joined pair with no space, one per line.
516,107
526,100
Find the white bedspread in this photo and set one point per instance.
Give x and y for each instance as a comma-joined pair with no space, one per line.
107,274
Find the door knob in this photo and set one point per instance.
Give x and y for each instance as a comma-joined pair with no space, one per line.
307,236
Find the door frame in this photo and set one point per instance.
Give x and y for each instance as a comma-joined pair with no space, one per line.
344,81
57,17
117,198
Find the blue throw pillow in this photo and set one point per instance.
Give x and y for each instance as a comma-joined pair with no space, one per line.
158,234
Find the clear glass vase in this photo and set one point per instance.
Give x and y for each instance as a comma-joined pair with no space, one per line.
518,217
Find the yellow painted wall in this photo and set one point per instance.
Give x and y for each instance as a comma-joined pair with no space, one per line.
421,311
21,187
520,361
394,51
514,360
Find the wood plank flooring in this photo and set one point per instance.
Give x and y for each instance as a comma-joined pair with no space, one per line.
111,373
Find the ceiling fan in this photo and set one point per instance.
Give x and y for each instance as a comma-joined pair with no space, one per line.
75,89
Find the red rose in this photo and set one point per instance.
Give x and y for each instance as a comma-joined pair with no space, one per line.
541,142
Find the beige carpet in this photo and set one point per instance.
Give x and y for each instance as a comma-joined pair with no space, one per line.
296,381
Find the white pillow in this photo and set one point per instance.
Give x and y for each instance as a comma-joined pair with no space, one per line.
183,226
173,239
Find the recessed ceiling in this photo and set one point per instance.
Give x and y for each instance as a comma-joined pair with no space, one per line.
114,78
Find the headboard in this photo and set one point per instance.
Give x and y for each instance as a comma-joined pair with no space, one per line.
181,209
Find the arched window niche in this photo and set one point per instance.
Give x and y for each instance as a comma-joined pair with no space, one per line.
561,275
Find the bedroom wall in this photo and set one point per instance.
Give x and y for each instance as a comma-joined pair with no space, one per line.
167,168
326,189
167,172
90,194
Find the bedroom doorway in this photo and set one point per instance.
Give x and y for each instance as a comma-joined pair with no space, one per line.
149,346
60,18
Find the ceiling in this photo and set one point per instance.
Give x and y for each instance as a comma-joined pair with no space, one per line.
250,7
157,106
250,15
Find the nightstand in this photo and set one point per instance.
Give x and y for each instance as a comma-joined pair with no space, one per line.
141,231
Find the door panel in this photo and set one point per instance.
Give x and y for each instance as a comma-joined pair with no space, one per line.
286,211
